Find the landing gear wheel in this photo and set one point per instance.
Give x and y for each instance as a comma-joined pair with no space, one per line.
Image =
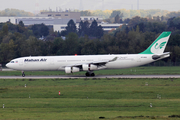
23,75
89,74
92,74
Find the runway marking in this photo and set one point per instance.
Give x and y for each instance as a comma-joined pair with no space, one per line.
98,76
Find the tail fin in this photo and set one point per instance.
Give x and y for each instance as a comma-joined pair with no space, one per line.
158,46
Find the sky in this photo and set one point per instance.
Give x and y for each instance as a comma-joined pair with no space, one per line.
36,5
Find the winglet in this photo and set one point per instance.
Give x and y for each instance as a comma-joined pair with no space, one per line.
159,45
114,59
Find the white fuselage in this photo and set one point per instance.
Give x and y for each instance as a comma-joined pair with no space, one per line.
42,63
89,63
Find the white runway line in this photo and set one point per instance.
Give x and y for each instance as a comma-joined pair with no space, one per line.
98,76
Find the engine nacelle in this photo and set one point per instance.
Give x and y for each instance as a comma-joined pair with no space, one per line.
71,69
89,67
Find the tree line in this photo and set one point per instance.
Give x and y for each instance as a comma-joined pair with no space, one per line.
15,12
105,14
133,37
85,28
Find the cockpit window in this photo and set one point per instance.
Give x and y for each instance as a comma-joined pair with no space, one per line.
12,61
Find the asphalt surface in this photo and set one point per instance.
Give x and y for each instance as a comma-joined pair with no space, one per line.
98,76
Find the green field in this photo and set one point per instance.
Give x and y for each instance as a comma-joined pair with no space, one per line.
173,70
90,99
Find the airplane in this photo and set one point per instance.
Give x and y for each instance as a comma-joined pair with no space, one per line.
90,63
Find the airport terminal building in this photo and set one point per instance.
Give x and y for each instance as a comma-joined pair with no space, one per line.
58,20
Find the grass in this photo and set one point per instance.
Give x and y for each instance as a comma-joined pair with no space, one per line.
90,99
129,71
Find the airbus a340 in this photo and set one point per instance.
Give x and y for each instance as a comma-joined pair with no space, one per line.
90,63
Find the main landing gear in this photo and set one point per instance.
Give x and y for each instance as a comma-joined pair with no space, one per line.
89,73
23,74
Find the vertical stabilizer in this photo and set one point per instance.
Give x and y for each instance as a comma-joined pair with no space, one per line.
159,45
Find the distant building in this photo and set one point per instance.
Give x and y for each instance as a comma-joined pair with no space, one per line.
57,24
8,19
90,19
58,20
62,15
108,27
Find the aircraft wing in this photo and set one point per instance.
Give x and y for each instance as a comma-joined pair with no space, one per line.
97,63
100,63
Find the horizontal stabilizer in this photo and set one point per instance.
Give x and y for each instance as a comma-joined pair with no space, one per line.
155,57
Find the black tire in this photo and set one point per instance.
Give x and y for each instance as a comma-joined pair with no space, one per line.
23,75
87,74
92,74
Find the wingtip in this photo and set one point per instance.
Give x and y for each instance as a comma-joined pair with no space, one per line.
114,59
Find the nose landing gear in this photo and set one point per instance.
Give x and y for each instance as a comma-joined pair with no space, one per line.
23,74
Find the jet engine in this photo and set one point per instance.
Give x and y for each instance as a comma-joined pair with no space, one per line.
71,69
89,67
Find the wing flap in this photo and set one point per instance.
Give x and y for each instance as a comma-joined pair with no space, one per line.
98,63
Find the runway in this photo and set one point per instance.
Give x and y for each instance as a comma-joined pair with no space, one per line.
98,76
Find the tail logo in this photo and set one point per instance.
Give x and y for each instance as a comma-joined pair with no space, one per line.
160,46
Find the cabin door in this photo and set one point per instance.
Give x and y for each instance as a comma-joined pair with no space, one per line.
21,62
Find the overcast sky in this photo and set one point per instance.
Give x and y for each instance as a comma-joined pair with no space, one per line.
30,5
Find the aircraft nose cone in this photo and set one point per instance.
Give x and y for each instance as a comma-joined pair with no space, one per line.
7,65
